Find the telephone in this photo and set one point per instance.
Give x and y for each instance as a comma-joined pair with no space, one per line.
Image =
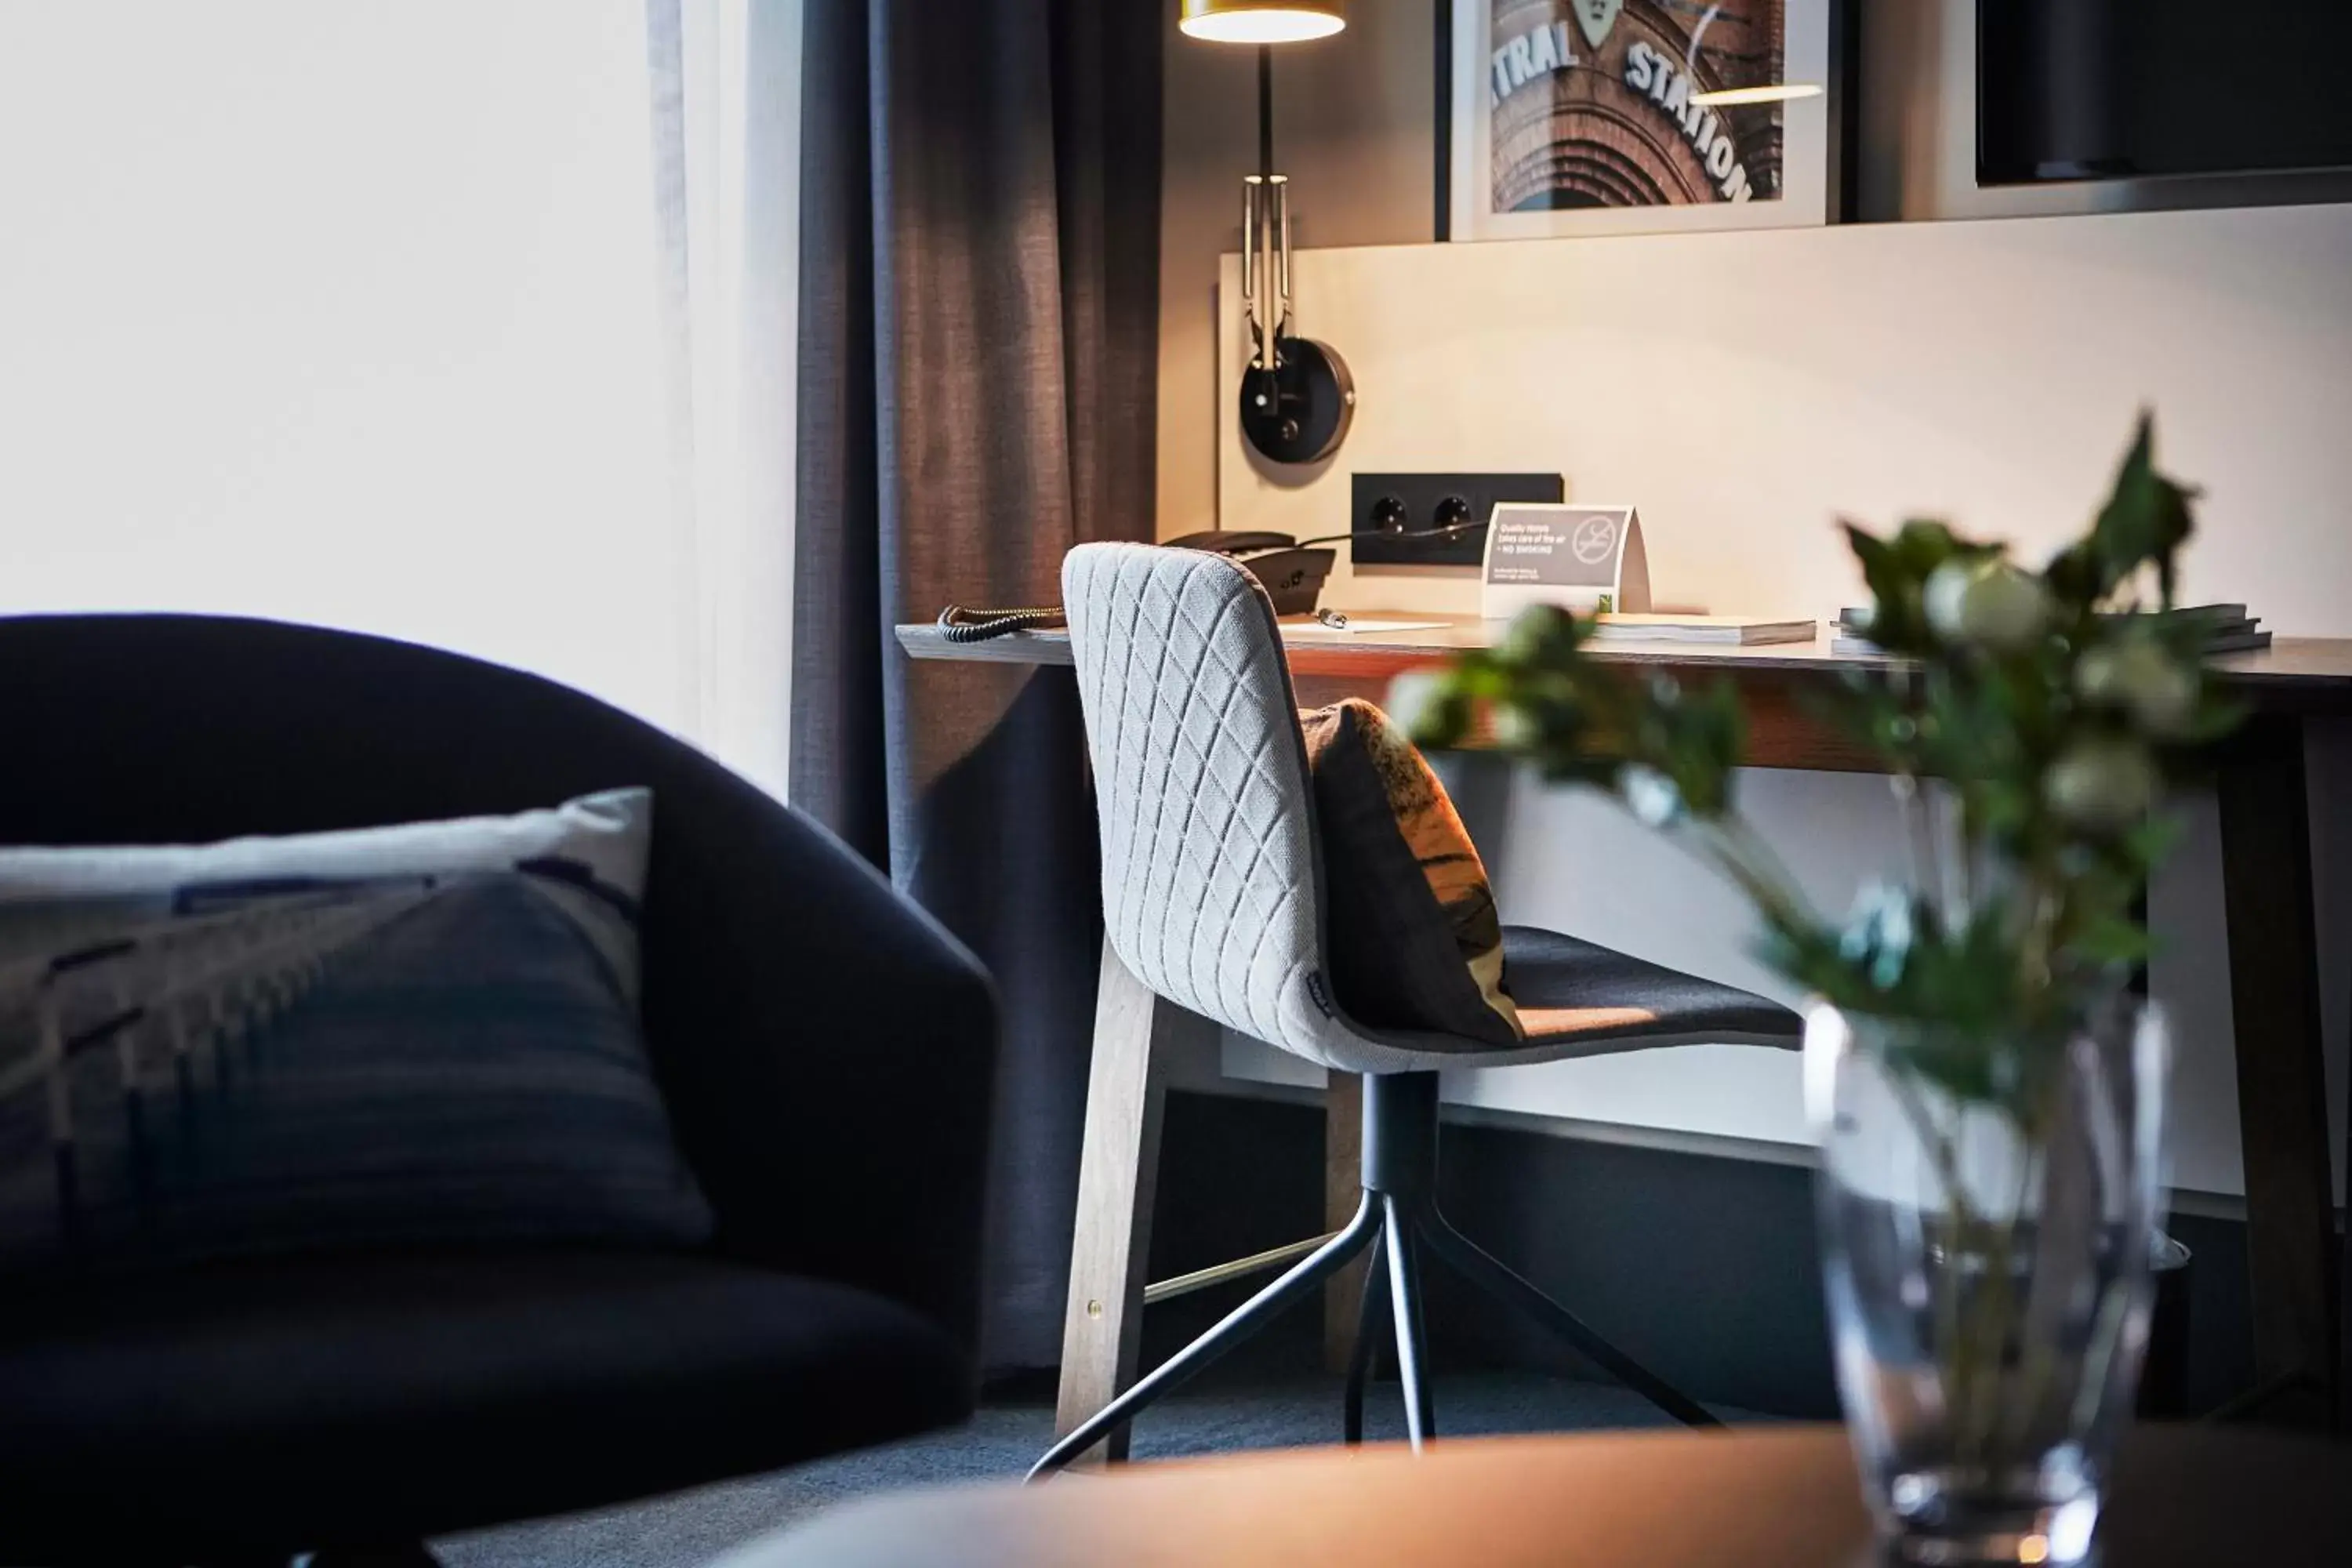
1292,571
1291,574
1219,541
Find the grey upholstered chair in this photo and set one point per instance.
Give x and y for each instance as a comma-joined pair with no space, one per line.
1212,897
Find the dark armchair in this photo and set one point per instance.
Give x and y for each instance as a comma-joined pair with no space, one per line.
824,1048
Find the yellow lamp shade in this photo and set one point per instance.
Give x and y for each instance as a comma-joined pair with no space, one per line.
1262,21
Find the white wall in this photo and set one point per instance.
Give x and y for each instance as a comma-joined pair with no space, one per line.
343,314
1744,388
1354,129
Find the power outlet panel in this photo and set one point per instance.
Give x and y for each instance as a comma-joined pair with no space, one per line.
1386,510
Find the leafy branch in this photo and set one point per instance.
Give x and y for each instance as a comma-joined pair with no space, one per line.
2028,731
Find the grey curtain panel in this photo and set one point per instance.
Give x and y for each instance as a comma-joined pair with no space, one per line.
980,303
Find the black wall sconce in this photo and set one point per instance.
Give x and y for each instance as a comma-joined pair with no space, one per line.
1297,397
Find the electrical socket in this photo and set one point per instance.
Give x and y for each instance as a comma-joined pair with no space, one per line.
1382,505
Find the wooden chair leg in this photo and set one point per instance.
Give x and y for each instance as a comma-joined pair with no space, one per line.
1135,1033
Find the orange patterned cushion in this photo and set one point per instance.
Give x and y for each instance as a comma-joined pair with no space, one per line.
1415,942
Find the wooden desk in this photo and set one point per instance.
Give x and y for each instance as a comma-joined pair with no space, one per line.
2301,1283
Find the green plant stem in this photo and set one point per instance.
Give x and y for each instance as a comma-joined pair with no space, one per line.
2041,1101
2045,903
1736,848
1926,863
1952,1344
1975,1328
1998,1322
1970,851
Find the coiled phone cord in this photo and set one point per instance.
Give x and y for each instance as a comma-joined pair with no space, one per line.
957,624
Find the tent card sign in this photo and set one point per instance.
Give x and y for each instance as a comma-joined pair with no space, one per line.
1585,559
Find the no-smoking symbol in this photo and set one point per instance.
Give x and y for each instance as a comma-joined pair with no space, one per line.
1594,538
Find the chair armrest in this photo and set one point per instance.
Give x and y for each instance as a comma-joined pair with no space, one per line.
827,1051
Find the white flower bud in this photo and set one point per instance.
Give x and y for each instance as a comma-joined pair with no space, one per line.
1986,603
1415,699
1650,795
1513,731
2104,784
2144,680
1529,631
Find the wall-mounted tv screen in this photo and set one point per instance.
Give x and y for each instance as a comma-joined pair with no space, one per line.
2090,89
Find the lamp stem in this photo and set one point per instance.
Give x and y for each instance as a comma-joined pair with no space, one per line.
1266,112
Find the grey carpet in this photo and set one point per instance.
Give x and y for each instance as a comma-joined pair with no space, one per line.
688,1529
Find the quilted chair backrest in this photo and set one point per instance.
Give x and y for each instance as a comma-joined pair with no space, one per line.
1210,879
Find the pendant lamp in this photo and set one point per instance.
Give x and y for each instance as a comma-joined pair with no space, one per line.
1262,21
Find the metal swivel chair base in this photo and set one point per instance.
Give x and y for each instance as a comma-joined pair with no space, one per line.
1399,1211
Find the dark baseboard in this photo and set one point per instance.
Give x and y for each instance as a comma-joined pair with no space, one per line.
1703,1267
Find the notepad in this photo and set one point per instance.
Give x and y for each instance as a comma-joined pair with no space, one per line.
1356,627
1733,630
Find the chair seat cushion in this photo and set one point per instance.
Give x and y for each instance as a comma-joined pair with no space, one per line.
1571,991
296,1404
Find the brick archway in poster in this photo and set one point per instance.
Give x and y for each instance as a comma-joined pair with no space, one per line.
1591,108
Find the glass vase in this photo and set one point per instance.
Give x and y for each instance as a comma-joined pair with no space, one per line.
1986,1216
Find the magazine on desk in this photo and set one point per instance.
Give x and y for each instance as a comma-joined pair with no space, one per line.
1738,631
2230,628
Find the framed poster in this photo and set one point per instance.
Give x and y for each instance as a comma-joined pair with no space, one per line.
1584,117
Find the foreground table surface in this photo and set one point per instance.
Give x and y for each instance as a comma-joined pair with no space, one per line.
1760,1498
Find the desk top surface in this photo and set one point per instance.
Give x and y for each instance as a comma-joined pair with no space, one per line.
2304,673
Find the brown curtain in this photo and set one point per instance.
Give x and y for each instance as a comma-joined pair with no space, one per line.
977,337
